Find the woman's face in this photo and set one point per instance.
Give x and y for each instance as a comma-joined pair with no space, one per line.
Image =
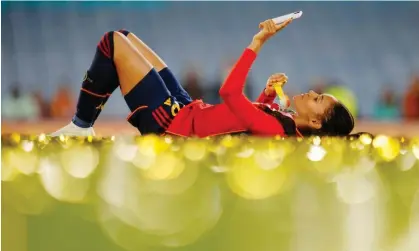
313,107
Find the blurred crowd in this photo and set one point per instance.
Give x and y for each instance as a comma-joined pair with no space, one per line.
20,105
30,106
390,105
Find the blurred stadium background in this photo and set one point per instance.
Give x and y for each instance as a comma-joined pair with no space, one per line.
233,194
369,48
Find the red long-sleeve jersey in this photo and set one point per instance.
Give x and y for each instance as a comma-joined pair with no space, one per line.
236,114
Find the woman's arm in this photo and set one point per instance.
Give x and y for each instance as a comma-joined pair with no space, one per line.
232,90
269,94
265,99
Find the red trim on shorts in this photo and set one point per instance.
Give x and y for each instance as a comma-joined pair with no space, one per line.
158,120
164,113
224,133
172,133
163,119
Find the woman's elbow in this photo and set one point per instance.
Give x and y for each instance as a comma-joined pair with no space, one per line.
223,92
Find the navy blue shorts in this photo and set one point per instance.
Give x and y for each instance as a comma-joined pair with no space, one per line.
155,101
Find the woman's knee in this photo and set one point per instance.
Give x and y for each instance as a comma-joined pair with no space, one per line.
124,32
108,40
122,46
114,44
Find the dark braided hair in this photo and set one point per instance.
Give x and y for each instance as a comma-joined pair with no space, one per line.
337,122
287,123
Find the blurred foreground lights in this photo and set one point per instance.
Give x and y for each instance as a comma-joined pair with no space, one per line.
20,160
387,148
251,182
317,140
126,152
8,173
218,169
316,153
146,154
59,184
246,152
148,145
194,150
156,222
15,137
167,166
406,160
42,137
228,141
269,159
144,161
380,141
81,166
168,140
415,150
365,139
364,165
27,146
354,188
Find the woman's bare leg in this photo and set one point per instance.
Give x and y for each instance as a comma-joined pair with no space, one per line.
147,52
130,64
169,79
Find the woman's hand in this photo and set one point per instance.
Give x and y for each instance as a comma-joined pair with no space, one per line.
268,29
274,80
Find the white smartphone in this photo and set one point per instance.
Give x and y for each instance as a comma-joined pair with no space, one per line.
281,19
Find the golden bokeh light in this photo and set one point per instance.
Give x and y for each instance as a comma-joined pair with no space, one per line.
249,181
353,188
59,184
126,152
159,193
387,148
167,166
366,139
407,161
317,140
415,149
194,150
271,155
25,162
27,145
316,153
42,137
82,166
8,173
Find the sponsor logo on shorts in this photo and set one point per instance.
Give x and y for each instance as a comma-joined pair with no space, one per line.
168,102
